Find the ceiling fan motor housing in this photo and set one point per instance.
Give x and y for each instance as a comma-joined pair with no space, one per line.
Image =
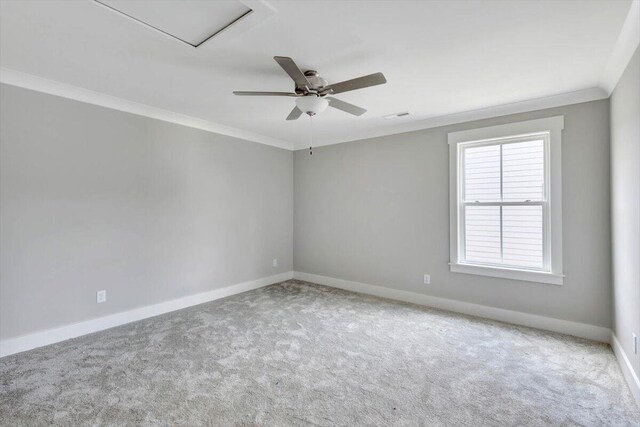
315,81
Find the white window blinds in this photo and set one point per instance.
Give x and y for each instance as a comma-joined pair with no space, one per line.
503,202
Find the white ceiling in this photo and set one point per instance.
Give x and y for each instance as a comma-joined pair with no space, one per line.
439,57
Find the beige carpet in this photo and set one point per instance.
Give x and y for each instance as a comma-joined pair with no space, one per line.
302,354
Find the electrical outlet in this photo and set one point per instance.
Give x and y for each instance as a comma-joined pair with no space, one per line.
427,279
635,344
101,296
275,262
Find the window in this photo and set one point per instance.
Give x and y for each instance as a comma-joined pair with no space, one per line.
506,206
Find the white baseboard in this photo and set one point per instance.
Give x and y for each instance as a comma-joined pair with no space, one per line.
51,336
582,330
597,333
626,368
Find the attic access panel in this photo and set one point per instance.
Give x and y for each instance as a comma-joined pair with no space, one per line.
190,21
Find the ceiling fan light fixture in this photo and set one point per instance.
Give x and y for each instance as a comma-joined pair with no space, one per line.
312,104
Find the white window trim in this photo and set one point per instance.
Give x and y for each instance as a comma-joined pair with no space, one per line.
552,125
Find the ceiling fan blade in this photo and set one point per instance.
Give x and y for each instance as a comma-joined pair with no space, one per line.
294,114
248,93
292,69
346,107
358,83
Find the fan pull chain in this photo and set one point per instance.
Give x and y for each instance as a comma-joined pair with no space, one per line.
311,136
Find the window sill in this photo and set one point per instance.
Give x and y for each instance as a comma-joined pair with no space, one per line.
508,273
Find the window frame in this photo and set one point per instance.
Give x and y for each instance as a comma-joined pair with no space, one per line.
548,128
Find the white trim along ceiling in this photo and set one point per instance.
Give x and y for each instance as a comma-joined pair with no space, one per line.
623,49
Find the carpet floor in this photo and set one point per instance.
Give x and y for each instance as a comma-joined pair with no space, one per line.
301,354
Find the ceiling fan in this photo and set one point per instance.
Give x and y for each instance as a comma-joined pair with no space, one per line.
312,91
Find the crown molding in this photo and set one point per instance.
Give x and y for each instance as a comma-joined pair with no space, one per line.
576,97
64,90
625,47
40,84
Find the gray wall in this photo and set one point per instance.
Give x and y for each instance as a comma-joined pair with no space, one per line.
93,198
376,211
625,207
